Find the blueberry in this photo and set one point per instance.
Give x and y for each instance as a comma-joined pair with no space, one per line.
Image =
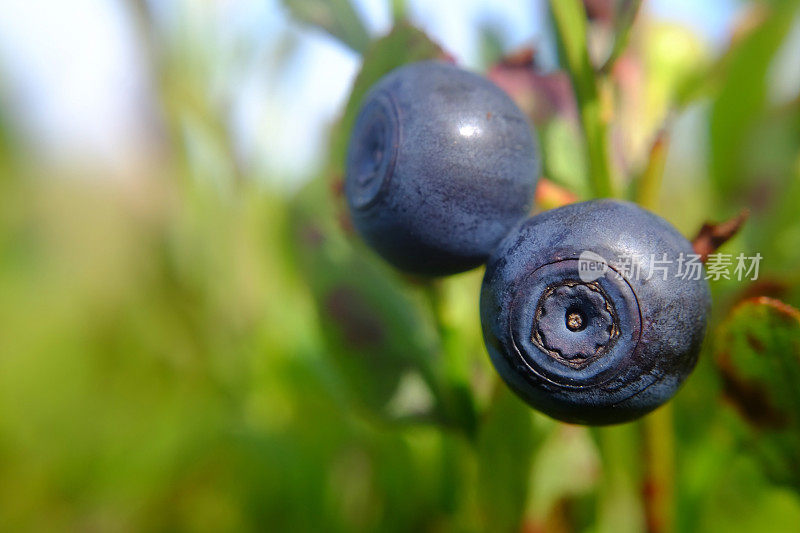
592,313
441,165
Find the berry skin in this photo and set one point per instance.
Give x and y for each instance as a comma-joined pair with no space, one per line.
441,165
592,346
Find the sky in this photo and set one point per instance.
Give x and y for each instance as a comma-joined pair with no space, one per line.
74,76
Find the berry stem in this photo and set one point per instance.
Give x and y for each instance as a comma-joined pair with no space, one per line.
659,432
659,487
455,396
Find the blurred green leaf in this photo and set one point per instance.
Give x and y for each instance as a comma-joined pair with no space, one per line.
758,357
374,330
742,98
648,186
741,502
566,466
337,17
506,444
561,142
620,506
770,170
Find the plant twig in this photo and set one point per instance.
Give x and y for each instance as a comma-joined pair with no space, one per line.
712,236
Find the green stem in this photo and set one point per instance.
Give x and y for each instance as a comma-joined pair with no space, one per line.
660,470
455,395
622,32
659,434
569,17
435,297
398,10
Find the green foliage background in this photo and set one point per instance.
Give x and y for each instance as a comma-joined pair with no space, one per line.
198,351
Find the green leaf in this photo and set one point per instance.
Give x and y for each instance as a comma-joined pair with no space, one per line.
741,501
742,99
619,496
648,186
567,466
374,329
778,170
337,17
758,357
561,141
569,17
404,44
505,447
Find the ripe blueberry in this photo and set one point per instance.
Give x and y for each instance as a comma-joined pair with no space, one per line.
590,312
441,165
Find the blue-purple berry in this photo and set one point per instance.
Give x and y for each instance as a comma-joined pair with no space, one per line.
441,165
598,345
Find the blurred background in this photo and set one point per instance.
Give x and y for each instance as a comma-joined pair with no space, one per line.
192,338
